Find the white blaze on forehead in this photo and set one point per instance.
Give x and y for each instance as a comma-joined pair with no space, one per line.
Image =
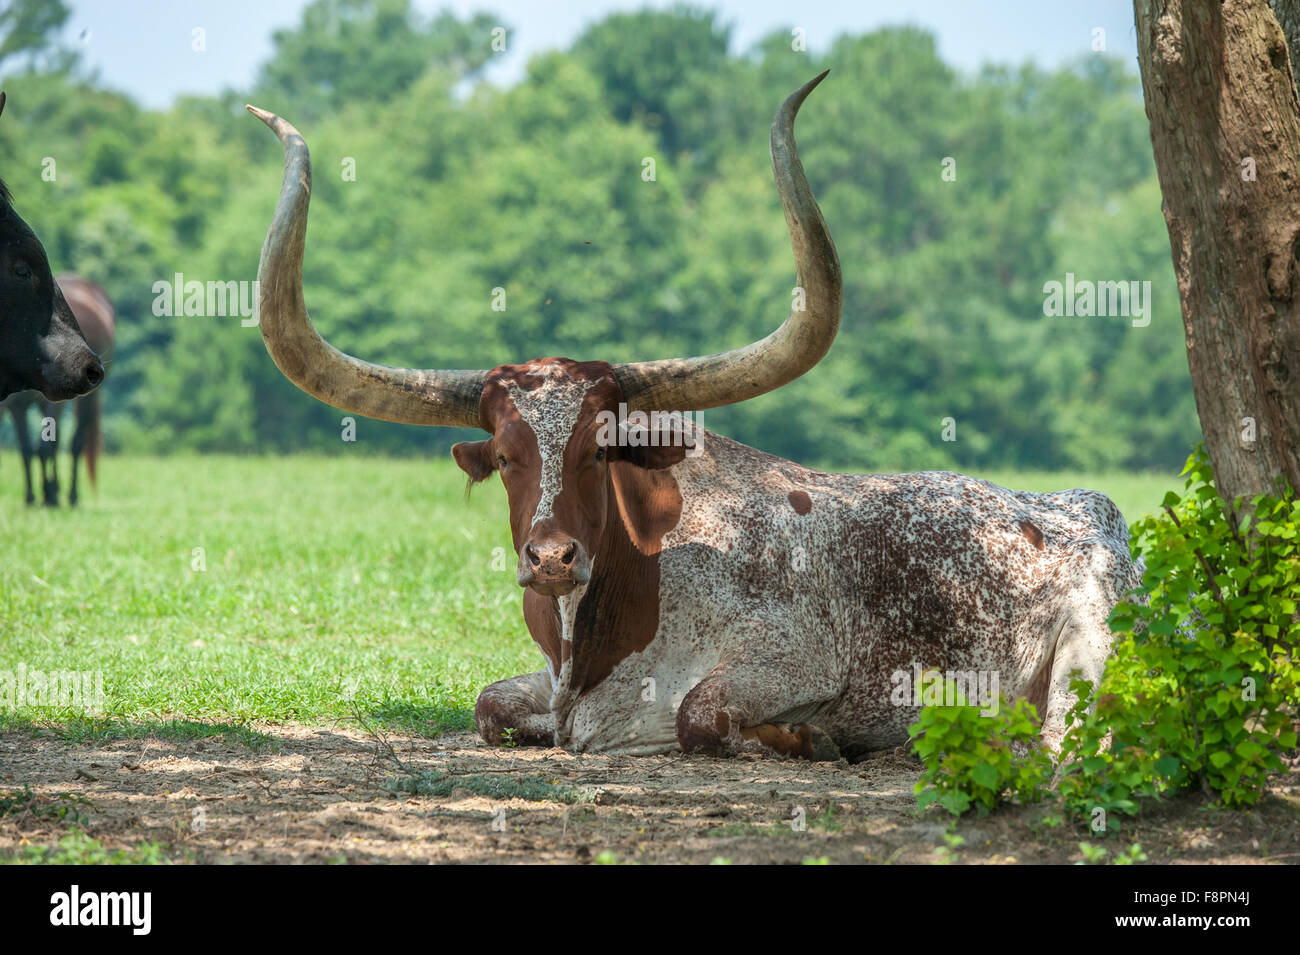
551,410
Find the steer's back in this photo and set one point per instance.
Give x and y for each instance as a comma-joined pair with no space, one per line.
882,572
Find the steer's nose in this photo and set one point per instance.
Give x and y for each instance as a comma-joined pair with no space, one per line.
553,565
561,553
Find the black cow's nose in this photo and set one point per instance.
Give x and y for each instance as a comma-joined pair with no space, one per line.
93,372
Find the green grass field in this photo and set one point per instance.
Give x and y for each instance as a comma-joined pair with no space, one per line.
324,587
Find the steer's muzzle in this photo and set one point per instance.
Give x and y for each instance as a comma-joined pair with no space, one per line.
553,565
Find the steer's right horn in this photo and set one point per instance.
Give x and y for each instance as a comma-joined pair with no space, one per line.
404,395
709,381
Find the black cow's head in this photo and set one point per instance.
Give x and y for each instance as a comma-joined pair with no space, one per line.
41,346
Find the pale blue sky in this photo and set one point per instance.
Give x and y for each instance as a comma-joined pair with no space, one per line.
144,46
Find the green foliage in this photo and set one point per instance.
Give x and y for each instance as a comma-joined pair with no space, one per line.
77,848
655,68
538,189
1130,856
1203,687
27,29
969,759
1096,855
367,51
64,807
1092,855
947,853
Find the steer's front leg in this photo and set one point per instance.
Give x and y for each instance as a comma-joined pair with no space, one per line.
517,711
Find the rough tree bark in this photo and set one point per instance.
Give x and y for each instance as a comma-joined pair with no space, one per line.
1225,124
1288,18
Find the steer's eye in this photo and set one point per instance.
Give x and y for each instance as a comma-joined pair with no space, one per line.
501,461
600,455
22,270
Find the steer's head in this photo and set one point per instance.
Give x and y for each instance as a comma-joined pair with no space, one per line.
41,346
556,435
549,420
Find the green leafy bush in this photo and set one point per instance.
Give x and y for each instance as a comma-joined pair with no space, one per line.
970,760
1202,688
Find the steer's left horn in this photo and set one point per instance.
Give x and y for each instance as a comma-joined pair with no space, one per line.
688,384
404,395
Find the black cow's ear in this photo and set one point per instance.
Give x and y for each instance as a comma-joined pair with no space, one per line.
474,458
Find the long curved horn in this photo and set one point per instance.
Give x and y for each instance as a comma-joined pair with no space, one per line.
689,384
404,395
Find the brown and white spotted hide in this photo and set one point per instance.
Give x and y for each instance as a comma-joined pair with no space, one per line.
727,601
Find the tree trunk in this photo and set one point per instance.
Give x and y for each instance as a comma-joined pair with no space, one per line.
1288,18
1225,124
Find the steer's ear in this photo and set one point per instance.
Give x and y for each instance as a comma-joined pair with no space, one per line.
648,500
474,458
659,444
652,458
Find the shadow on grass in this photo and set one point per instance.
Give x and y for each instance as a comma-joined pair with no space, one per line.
532,788
89,729
424,720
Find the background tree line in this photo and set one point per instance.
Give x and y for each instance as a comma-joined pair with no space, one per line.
462,187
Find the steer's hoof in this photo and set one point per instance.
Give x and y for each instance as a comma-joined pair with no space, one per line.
824,749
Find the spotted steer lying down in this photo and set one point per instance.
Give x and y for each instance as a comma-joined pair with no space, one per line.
715,598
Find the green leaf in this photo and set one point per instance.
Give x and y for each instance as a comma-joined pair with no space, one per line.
985,775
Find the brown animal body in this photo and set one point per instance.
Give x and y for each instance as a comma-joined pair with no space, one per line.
689,592
95,317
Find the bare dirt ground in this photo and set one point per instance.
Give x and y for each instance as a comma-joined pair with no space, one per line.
326,794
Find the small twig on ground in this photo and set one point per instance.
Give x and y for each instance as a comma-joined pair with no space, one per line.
386,748
671,762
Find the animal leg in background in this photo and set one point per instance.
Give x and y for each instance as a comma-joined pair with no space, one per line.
47,452
23,436
85,438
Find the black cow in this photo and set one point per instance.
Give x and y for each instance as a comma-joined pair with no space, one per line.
41,346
